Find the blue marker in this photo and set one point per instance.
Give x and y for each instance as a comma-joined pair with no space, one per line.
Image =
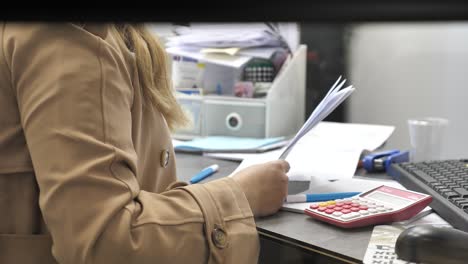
303,198
204,173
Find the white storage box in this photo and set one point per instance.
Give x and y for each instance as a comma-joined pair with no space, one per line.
280,113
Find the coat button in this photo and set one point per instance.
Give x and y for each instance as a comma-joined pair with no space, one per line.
165,158
219,237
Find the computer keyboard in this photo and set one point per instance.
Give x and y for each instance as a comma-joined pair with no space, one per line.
446,181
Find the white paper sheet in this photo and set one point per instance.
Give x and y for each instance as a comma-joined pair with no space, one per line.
330,151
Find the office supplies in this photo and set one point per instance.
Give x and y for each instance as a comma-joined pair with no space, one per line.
332,99
432,245
228,144
244,89
280,112
206,172
307,197
445,180
190,91
381,247
330,151
319,185
380,205
381,161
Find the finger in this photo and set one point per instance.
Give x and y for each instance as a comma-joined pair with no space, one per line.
285,165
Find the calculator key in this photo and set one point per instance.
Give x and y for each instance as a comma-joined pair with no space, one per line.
379,205
371,206
323,204
331,202
348,202
364,212
340,204
314,206
337,213
350,215
321,209
331,206
372,210
363,207
381,209
346,211
329,211
354,205
346,206
338,208
354,209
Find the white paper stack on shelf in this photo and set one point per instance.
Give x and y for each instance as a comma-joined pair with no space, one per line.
233,44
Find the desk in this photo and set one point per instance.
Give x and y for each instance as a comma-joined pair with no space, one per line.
285,233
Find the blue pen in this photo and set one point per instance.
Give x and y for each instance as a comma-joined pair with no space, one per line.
303,198
204,173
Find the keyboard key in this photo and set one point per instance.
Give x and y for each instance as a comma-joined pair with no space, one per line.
460,202
450,195
423,176
445,190
461,191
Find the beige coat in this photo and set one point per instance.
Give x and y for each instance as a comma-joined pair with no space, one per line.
78,146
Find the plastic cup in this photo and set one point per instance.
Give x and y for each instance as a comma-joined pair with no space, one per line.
427,138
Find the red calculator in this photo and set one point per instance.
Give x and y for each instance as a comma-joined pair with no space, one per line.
383,204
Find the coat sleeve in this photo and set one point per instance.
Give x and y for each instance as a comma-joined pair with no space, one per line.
75,96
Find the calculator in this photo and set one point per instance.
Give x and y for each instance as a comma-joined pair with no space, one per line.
383,204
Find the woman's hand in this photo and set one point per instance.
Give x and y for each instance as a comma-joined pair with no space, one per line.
265,186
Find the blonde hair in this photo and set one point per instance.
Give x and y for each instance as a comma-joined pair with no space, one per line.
153,73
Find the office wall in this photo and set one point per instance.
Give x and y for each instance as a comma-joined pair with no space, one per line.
405,70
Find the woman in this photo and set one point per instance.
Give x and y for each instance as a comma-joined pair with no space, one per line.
87,169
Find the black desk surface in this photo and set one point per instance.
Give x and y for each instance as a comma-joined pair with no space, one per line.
293,228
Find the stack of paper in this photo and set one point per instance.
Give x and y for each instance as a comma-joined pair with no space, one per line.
233,44
333,99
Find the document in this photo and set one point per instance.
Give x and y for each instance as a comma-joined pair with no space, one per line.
332,100
330,151
381,247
